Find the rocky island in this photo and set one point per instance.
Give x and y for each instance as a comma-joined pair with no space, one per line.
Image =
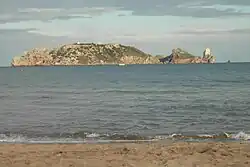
103,54
179,56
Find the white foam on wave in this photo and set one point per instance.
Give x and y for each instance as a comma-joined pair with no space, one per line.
241,136
92,135
205,135
18,138
93,138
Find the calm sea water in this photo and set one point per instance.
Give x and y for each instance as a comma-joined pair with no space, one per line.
102,103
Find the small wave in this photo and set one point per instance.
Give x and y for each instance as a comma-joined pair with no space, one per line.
18,138
144,91
98,138
240,81
114,136
241,136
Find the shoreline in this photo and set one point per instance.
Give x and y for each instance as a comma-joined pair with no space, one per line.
153,154
93,65
96,138
9,66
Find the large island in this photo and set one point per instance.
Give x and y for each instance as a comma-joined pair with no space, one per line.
101,54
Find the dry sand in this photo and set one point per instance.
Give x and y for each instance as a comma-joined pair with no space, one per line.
233,154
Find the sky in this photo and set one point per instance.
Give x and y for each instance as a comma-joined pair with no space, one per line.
155,27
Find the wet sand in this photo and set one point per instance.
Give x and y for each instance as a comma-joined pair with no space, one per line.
168,154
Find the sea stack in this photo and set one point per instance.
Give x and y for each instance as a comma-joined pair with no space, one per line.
208,56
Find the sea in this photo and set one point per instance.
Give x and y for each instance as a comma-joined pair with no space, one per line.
91,104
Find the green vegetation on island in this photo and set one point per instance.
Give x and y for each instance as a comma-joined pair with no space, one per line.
101,54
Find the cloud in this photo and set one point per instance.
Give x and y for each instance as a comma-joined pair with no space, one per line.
202,9
214,31
48,14
15,10
11,31
214,10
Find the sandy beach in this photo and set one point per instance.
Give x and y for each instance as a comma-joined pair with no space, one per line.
168,154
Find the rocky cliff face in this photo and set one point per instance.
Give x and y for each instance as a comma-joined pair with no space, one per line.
179,56
85,54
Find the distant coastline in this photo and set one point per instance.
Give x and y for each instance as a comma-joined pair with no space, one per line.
79,54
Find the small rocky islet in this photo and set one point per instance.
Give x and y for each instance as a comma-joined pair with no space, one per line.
104,54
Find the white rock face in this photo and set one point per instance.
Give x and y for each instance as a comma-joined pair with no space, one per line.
208,56
207,53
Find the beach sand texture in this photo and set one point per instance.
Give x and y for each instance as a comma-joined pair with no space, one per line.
168,154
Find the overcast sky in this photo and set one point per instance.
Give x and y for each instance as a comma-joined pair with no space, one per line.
153,26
